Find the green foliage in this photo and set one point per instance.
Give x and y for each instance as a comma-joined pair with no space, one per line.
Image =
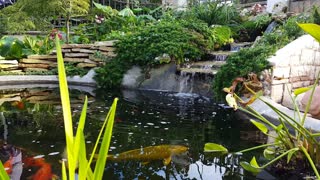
214,13
37,45
241,64
316,15
222,35
11,48
178,40
73,70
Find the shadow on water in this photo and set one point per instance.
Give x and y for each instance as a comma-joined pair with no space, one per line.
144,119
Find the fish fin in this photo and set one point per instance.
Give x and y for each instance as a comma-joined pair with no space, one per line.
167,160
145,163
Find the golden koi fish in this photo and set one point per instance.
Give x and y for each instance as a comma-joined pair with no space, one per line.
150,153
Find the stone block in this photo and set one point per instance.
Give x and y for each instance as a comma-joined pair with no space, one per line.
281,72
76,55
8,66
108,49
93,58
305,70
277,92
34,69
70,46
36,61
75,60
111,54
279,81
105,43
8,62
42,66
299,78
86,65
83,50
295,60
307,57
53,52
45,57
300,84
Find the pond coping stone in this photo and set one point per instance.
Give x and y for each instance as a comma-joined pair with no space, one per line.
86,80
267,112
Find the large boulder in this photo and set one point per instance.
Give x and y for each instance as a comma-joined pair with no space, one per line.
315,103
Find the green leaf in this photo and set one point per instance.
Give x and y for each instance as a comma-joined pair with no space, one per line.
212,147
260,126
298,91
290,154
3,173
250,167
279,127
64,171
254,163
312,29
65,101
269,153
104,148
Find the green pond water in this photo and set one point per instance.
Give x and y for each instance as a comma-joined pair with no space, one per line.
32,122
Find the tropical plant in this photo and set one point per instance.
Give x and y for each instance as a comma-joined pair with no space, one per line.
215,13
300,145
11,48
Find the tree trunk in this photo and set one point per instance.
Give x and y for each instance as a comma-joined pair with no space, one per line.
68,28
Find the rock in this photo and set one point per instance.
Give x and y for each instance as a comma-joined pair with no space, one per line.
76,60
315,103
8,66
62,50
108,49
76,55
96,59
111,54
70,46
84,65
8,62
105,43
34,69
83,50
46,57
131,78
36,61
44,66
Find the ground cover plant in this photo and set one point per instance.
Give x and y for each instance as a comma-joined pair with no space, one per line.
293,143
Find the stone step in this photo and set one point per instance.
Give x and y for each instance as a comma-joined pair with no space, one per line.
218,55
206,64
198,71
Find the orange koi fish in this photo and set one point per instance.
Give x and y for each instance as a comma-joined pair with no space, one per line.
44,172
8,165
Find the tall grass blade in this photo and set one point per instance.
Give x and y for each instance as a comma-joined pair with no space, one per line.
65,100
79,132
83,162
104,148
64,171
3,173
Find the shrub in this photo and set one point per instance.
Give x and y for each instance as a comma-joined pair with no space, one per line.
178,39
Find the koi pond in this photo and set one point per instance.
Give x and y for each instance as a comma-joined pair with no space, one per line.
32,127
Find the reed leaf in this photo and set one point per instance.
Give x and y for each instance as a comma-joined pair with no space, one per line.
65,101
64,171
104,148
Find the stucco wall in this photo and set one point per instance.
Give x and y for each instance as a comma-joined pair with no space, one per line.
294,66
302,6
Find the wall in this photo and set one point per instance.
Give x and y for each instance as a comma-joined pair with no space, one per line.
295,65
81,55
302,6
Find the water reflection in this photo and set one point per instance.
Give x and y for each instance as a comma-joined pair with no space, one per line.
144,119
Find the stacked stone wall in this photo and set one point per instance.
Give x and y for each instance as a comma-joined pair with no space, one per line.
294,66
81,55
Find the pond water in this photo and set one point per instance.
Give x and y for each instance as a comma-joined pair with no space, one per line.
32,122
